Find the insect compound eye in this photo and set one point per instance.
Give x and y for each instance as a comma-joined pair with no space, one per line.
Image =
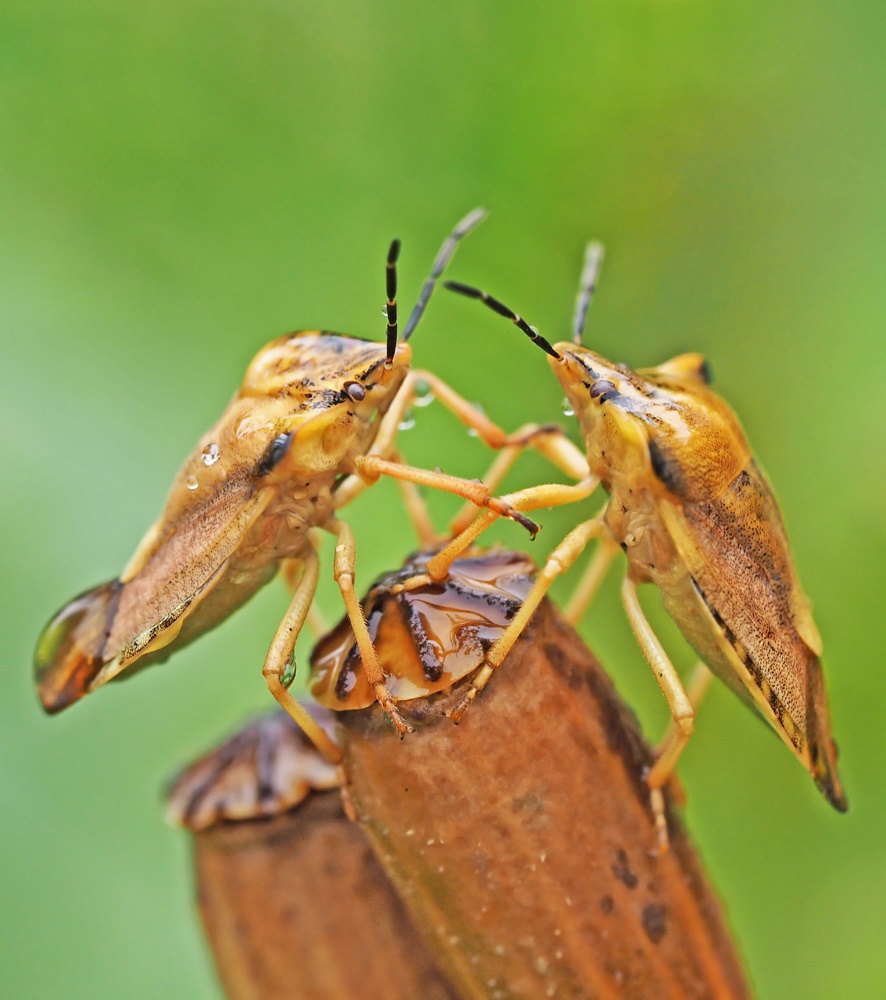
274,453
355,391
604,389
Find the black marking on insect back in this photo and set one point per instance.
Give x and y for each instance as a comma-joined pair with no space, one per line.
506,606
728,634
704,372
364,375
418,626
755,672
667,469
274,453
138,645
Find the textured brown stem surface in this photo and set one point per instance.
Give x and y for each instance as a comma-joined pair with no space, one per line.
298,907
522,840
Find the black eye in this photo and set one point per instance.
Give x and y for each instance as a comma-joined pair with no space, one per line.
356,391
603,387
274,453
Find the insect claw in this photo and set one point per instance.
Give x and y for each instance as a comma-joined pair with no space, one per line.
383,696
456,713
527,523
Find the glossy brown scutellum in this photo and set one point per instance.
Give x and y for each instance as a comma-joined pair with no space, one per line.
292,899
427,637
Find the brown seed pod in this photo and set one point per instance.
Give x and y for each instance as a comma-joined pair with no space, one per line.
522,839
291,897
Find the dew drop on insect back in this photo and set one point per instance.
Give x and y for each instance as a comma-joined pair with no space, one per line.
424,394
408,421
192,482
211,454
566,407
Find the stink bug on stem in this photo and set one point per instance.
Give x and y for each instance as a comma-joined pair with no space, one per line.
694,515
313,424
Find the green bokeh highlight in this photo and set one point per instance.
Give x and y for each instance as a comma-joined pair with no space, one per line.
181,182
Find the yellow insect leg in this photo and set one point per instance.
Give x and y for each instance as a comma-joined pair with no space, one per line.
371,467
343,570
549,441
532,498
384,448
673,743
591,579
682,711
278,659
563,556
489,432
417,511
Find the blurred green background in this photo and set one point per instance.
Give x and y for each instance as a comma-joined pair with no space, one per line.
181,182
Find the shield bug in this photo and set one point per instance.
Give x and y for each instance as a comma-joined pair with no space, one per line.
427,637
694,515
312,424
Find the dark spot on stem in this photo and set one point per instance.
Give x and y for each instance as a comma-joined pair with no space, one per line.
622,870
655,921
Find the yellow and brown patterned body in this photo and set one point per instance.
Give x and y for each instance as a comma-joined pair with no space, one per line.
427,637
312,425
696,517
243,501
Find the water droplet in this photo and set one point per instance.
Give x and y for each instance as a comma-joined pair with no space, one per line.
408,421
566,407
211,454
289,671
424,394
192,482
